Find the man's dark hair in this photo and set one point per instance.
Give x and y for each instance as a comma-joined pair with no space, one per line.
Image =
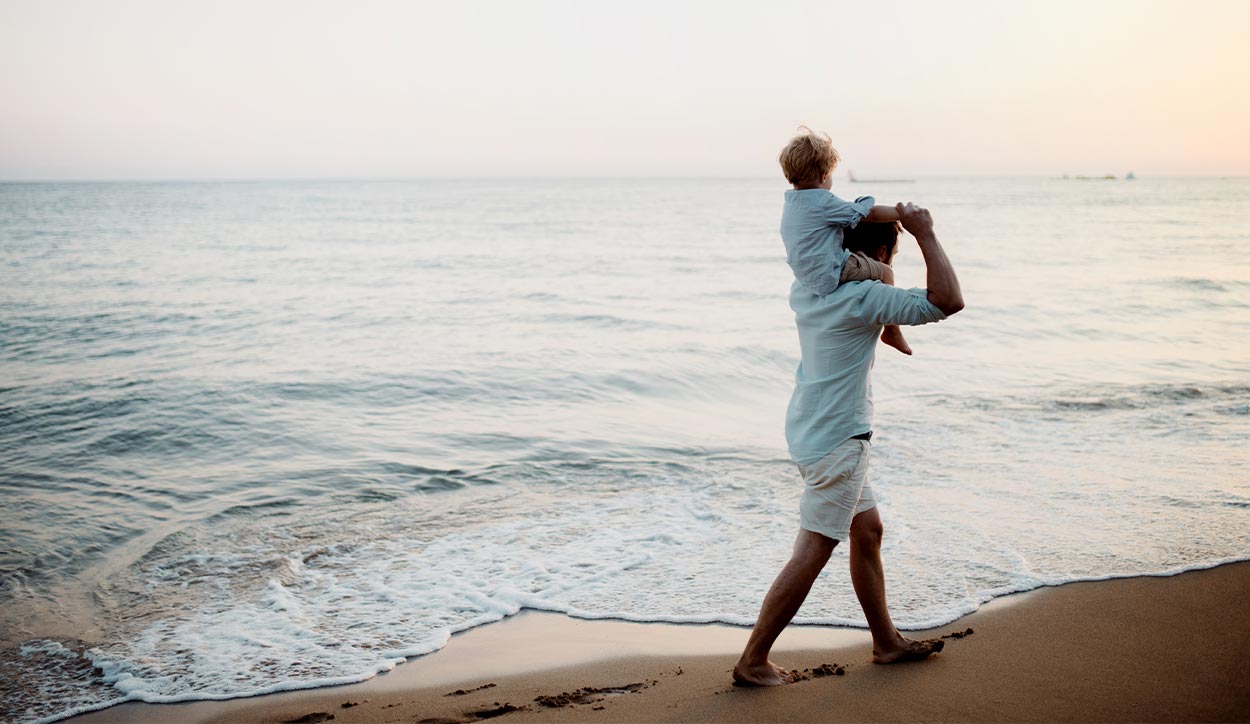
870,236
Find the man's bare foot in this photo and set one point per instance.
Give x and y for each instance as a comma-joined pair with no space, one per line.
909,651
893,336
769,674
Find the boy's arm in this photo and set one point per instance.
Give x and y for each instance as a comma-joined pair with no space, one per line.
883,213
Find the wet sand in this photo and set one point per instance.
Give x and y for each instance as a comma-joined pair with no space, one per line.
1137,649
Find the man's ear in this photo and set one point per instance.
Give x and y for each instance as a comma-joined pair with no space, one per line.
883,254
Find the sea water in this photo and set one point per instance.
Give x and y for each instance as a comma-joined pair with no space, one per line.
266,436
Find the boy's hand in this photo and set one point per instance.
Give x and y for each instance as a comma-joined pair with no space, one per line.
915,219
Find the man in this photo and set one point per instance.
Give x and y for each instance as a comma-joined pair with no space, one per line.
828,426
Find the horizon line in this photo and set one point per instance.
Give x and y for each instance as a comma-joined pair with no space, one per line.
585,177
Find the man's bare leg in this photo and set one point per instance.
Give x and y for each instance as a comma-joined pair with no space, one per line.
811,553
868,578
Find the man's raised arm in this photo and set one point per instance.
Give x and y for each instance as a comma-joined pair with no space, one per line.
941,282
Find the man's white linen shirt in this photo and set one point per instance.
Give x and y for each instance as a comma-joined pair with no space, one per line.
838,334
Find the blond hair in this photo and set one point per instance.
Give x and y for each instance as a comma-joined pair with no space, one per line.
808,157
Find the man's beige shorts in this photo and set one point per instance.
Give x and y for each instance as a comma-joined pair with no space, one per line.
836,490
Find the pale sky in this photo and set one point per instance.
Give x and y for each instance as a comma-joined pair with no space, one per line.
391,88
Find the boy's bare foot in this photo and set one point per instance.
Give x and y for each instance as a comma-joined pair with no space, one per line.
909,651
769,674
893,336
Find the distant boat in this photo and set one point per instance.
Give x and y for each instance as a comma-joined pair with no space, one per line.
1130,176
1108,177
851,175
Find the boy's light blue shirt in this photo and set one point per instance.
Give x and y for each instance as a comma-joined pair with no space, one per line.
812,221
838,334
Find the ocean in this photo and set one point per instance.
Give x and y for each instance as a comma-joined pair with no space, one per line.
258,436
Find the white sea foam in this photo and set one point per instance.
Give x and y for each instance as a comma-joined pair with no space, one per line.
669,549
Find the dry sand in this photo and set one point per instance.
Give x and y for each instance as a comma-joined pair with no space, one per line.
1138,649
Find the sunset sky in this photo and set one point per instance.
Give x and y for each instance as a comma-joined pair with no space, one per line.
390,88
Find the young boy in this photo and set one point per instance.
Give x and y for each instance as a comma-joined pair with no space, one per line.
813,221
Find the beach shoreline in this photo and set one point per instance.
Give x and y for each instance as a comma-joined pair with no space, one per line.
1132,649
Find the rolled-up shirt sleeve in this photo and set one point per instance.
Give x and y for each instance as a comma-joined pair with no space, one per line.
884,304
848,213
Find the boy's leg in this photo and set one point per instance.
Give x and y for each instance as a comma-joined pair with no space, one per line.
893,336
860,268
